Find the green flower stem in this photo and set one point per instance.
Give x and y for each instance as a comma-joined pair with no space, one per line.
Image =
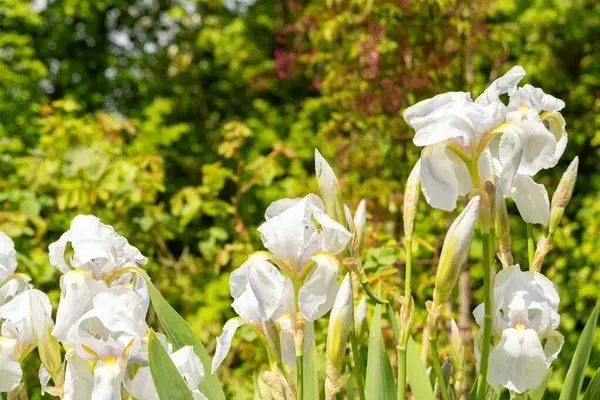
357,372
299,344
437,368
371,294
401,346
530,244
487,325
401,373
393,320
300,377
396,331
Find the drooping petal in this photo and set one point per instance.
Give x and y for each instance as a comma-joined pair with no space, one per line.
439,183
518,361
78,288
44,377
190,367
317,294
79,380
19,318
10,369
286,339
505,84
256,287
462,172
267,284
531,199
142,385
556,125
8,259
510,150
553,346
108,377
56,252
224,341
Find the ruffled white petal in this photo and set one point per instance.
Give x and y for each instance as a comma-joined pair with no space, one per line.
518,361
531,199
10,369
535,98
293,236
505,84
333,237
438,181
539,144
15,285
317,294
96,247
8,259
224,341
78,288
121,310
279,206
425,107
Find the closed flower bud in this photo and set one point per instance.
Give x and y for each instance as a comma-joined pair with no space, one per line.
360,221
503,232
454,252
330,189
339,324
563,194
407,316
411,199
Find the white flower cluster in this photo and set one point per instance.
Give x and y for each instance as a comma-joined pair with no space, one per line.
100,320
512,142
468,143
280,293
525,316
24,315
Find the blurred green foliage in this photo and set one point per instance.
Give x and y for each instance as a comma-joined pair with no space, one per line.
178,122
